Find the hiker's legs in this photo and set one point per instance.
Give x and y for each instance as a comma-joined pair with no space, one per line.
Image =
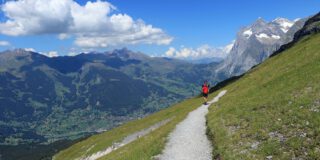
205,100
205,97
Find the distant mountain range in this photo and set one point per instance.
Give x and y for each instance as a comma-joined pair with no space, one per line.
206,60
46,99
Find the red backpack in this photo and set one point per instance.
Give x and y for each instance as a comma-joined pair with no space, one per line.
205,89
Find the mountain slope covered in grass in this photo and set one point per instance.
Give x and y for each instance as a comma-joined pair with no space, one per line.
273,111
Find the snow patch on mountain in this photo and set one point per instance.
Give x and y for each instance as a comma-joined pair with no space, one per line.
296,20
284,23
262,35
247,33
275,36
265,36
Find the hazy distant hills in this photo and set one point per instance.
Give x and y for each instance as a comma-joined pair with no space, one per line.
44,98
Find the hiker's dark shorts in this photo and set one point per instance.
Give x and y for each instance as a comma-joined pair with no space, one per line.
205,95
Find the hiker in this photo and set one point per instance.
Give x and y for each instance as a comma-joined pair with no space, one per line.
205,91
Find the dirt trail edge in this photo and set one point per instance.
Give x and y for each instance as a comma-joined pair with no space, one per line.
126,140
189,140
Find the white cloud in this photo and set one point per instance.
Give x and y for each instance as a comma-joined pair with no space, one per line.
170,52
52,54
48,54
63,36
139,33
4,43
36,17
72,54
204,51
30,49
227,49
93,24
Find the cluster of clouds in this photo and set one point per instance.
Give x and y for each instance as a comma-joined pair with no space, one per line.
96,24
204,51
93,25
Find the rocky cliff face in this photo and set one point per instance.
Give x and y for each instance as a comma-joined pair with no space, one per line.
255,43
311,26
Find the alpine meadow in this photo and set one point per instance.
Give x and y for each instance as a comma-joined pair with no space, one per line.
159,80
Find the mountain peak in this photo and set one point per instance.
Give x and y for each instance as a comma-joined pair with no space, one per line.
122,50
281,19
284,23
260,21
17,52
125,53
258,24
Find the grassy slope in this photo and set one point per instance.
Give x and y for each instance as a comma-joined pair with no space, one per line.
143,148
276,105
280,96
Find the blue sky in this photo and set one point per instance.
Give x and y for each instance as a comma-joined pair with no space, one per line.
182,24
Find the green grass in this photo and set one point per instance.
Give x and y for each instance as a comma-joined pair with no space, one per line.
143,148
274,110
276,104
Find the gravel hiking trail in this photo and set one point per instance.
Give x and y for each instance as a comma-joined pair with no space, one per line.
189,141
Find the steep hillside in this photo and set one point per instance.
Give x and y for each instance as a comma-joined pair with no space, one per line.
272,112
